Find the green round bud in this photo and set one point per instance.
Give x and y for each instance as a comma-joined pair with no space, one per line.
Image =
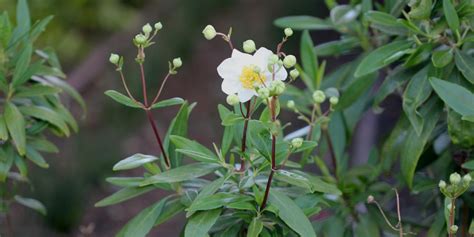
147,29
289,61
177,62
442,184
158,26
232,99
114,58
333,100
288,32
277,87
319,96
297,142
140,39
290,104
453,229
467,178
294,74
370,199
455,178
263,93
209,32
249,46
273,59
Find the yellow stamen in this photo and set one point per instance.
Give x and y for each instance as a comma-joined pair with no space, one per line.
251,77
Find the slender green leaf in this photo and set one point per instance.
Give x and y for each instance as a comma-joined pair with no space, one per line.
36,90
255,227
16,126
179,127
3,128
291,214
36,157
416,93
142,223
182,173
451,15
31,203
134,161
216,201
23,64
457,97
194,150
168,102
442,58
385,22
123,195
308,58
377,58
200,223
303,23
122,99
46,114
465,64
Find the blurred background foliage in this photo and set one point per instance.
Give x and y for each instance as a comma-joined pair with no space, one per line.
84,32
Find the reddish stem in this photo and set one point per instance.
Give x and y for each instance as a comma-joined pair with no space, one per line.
145,97
272,171
244,135
158,139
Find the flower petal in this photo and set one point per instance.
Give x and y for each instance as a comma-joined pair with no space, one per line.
229,68
245,95
261,57
230,86
241,57
281,74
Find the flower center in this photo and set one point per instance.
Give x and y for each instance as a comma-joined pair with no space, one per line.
251,77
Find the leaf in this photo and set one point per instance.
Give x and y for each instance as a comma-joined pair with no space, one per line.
39,27
122,99
294,179
123,195
168,102
355,89
291,214
465,64
216,201
469,165
3,128
255,227
377,58
385,22
6,161
200,223
36,90
31,203
182,173
23,21
194,150
309,59
46,114
442,58
451,15
36,157
456,97
125,181
134,161
416,93
16,126
337,47
22,64
178,126
207,191
171,209
344,14
392,82
303,23
66,88
414,144
142,223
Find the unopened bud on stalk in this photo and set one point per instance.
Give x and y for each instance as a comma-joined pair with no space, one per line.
370,199
177,62
249,46
294,74
209,32
140,39
333,100
288,32
232,99
147,29
273,59
442,184
297,142
277,87
114,58
263,93
319,96
466,179
158,26
290,104
453,229
455,178
289,61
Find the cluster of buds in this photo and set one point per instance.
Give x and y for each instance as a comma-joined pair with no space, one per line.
320,96
458,185
296,143
144,38
116,60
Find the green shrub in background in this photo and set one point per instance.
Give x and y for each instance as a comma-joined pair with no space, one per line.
421,50
31,82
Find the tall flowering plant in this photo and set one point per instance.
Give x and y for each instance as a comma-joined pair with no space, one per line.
254,183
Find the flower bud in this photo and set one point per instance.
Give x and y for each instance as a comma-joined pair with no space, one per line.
442,184
273,59
455,178
297,142
277,87
209,32
289,61
370,199
158,26
249,46
333,100
288,32
294,74
466,179
147,29
177,62
114,58
319,96
453,229
232,99
140,39
290,104
263,93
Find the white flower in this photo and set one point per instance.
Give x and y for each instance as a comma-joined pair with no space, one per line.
244,73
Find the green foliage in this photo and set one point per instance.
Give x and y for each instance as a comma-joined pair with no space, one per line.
31,83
